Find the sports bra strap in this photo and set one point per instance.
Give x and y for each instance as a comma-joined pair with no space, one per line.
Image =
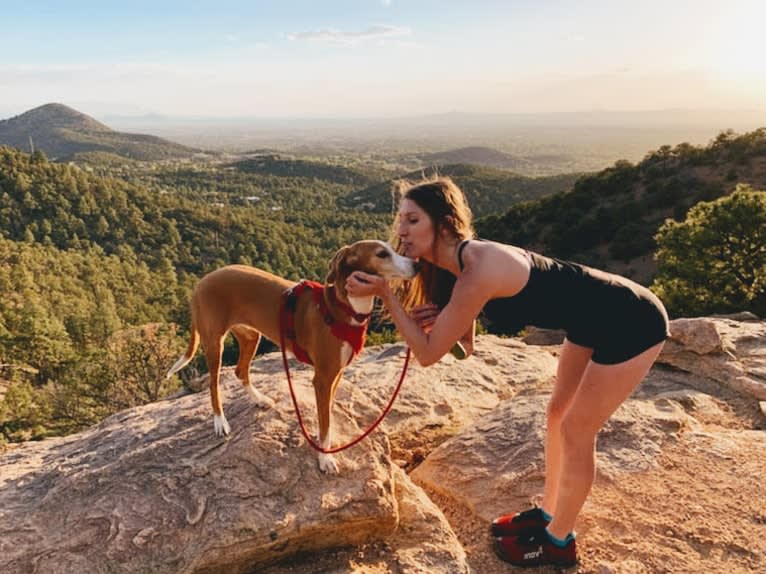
460,252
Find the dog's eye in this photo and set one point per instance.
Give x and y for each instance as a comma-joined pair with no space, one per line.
383,254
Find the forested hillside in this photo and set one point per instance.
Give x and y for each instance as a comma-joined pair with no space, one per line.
609,219
62,314
287,216
68,208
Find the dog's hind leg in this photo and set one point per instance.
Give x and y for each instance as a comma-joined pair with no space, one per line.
248,340
213,355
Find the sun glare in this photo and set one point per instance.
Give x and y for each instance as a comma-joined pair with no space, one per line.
737,51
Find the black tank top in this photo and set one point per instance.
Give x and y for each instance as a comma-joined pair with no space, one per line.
563,295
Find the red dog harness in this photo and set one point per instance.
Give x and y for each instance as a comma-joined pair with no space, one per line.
354,335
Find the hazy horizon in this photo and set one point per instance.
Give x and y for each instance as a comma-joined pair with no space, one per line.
578,141
379,59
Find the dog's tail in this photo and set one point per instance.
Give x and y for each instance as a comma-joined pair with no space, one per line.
186,358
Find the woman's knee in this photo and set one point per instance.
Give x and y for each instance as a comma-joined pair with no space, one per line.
577,431
555,410
562,397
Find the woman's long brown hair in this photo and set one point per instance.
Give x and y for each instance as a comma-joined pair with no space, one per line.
446,205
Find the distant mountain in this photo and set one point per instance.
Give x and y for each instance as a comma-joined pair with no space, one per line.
533,163
477,155
274,164
64,133
489,190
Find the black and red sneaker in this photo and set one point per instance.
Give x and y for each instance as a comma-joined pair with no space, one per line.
514,524
534,548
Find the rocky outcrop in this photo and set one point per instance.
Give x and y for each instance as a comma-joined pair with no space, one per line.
153,490
727,351
150,490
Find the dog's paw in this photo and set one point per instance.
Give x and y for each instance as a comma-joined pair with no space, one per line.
328,464
259,398
221,425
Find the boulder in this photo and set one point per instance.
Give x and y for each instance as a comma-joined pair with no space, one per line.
730,353
501,457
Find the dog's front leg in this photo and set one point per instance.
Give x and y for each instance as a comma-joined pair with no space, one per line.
324,388
327,462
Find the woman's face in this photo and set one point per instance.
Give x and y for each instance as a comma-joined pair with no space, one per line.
415,230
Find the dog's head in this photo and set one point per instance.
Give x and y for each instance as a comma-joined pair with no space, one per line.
371,256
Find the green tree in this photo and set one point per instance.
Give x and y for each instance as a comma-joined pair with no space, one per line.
23,413
138,361
715,260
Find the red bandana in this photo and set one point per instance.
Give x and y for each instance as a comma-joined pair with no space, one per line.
354,335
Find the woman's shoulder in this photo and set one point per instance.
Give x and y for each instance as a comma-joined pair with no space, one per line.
501,267
474,250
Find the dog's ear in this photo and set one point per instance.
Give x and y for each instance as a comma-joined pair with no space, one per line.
335,264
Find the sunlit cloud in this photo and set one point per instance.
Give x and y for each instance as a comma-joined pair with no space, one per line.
339,37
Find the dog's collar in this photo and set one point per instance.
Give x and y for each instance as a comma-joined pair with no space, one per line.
348,309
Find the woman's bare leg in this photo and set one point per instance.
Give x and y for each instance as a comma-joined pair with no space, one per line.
572,363
601,391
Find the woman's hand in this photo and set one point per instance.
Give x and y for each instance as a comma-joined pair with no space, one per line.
425,315
361,284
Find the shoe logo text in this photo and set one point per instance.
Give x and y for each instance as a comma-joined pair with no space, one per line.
532,555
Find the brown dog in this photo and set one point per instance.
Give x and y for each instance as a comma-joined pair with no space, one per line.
247,301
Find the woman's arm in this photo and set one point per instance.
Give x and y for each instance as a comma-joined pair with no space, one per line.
425,316
453,323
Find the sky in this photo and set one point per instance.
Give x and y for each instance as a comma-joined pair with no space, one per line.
380,58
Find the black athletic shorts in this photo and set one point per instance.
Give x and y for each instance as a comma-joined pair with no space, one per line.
632,320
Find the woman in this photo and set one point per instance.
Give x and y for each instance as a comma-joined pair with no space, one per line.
615,330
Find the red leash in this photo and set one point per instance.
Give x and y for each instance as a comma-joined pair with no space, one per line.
365,433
